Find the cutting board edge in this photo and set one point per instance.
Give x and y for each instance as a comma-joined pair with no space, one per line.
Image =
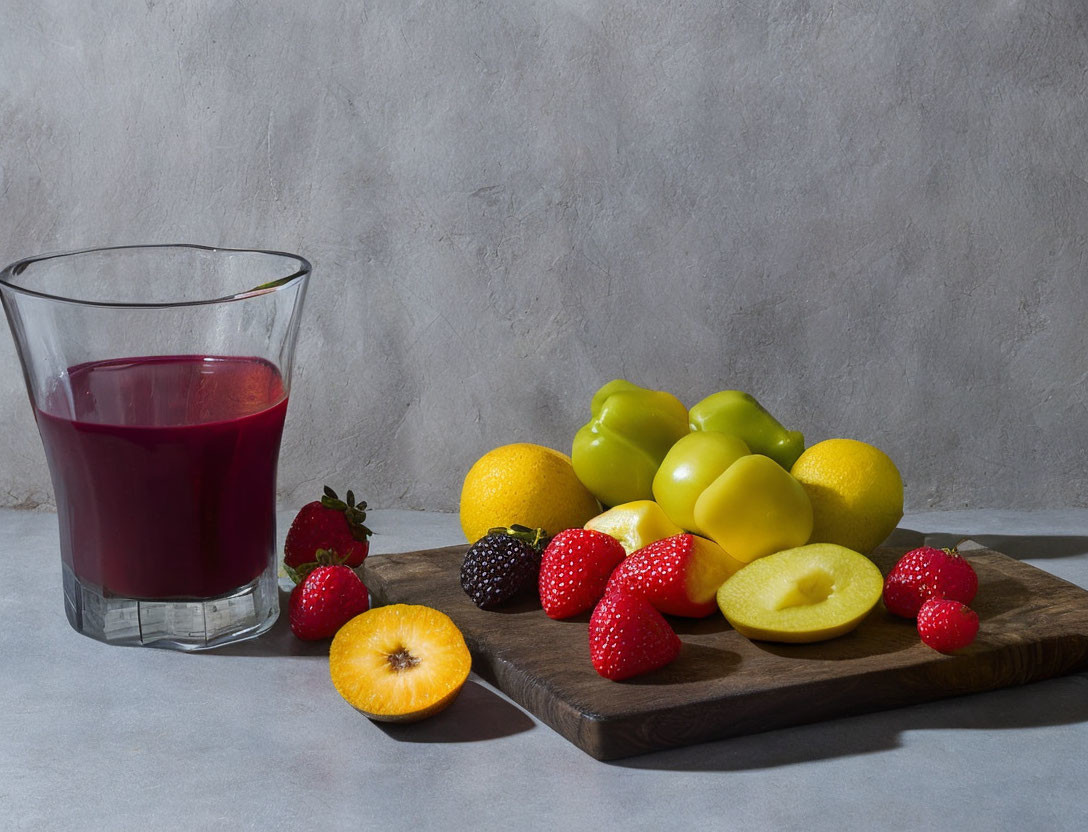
583,730
617,737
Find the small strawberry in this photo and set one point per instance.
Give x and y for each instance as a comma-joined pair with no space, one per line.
627,637
574,570
926,573
329,523
947,625
325,600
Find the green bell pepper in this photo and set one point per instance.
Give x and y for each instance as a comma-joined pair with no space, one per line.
617,453
739,414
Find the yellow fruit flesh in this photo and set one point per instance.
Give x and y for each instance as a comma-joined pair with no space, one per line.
635,524
811,593
709,568
855,490
399,663
525,484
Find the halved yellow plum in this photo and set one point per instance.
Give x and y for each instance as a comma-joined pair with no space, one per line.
400,663
810,593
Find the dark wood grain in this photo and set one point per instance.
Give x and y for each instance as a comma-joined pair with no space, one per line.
1033,626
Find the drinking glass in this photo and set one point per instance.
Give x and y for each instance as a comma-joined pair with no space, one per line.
159,377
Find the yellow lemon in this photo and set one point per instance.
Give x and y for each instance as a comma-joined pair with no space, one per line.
526,484
855,490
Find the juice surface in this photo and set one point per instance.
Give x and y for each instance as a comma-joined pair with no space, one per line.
164,470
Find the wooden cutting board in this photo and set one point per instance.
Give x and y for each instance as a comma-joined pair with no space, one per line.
1033,626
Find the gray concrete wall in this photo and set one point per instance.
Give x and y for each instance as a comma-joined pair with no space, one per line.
873,216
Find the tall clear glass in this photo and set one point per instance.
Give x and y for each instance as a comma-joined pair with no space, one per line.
159,378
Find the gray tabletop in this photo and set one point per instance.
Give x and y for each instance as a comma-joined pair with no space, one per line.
255,737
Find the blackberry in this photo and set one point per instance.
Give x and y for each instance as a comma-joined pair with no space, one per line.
502,565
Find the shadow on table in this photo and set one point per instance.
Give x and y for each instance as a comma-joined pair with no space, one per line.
1061,701
477,714
278,641
1021,547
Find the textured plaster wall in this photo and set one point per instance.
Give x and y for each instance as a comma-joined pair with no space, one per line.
872,215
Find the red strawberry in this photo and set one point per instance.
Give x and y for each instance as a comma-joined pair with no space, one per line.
329,523
947,625
926,573
327,599
627,636
679,575
574,570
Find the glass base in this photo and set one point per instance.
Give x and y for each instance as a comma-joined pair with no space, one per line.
188,625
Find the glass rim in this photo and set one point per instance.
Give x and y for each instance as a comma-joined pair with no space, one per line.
19,266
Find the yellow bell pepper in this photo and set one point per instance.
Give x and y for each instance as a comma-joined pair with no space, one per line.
635,525
755,508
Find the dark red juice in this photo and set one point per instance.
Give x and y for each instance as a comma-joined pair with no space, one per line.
164,470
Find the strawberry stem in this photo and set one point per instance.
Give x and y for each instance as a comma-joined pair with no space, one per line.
322,557
293,574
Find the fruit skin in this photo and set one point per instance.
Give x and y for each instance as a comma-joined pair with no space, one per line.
326,599
628,637
502,565
925,573
947,625
739,414
692,464
329,523
527,485
679,575
617,452
754,508
400,663
575,569
635,525
810,593
856,493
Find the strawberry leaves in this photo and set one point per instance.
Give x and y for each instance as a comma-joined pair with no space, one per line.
323,557
354,513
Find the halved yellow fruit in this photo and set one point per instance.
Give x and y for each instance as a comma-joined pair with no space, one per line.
400,663
810,593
